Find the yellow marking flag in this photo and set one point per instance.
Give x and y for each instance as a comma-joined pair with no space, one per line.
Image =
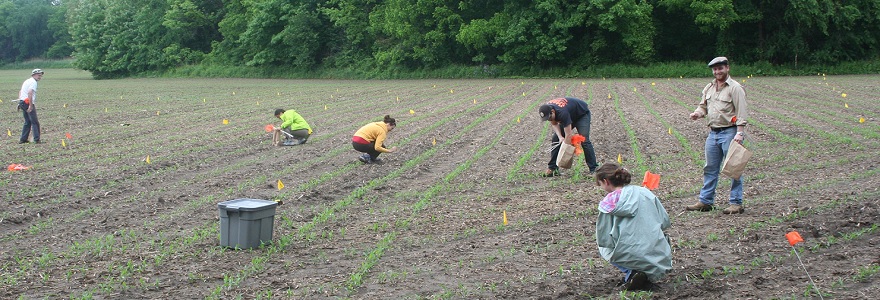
325,107
670,131
861,120
843,95
225,122
147,159
517,119
505,217
475,101
412,112
157,112
280,184
619,158
434,142
8,132
65,105
653,84
63,144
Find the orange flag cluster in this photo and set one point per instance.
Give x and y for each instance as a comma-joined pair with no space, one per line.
17,167
576,140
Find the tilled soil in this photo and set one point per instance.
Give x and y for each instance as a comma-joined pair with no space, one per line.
94,220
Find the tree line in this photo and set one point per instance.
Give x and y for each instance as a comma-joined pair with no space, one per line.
117,38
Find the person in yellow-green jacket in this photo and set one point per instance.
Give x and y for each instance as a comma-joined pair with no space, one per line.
370,139
294,126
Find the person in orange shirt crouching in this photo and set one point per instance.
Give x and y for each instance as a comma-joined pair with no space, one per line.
370,140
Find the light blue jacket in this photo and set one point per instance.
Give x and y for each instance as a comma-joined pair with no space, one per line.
632,236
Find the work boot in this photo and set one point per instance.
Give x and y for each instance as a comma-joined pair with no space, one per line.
551,173
637,281
700,206
733,209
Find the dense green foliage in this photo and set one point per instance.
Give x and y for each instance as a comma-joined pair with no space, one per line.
113,38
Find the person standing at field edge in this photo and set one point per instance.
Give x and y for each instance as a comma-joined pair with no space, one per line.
565,114
296,128
370,139
27,98
723,104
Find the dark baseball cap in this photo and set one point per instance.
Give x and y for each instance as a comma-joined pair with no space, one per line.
544,112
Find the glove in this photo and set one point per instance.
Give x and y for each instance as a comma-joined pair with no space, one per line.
310,131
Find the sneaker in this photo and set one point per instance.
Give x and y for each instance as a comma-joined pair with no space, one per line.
23,142
551,173
377,161
290,143
303,141
733,209
365,159
700,206
38,142
637,281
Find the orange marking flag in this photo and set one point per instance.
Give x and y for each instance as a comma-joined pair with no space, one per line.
794,237
17,167
651,181
69,137
269,128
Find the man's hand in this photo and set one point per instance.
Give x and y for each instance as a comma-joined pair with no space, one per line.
392,149
738,138
695,116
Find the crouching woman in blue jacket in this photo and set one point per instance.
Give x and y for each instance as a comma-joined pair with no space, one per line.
630,229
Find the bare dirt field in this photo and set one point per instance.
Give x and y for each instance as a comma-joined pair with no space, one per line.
125,207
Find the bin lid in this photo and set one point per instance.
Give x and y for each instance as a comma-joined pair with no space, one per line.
246,204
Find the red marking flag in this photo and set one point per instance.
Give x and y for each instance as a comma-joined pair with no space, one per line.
794,237
651,181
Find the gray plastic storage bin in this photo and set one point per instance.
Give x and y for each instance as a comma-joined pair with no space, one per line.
245,223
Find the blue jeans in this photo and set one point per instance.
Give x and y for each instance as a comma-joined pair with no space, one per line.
716,150
30,122
583,128
626,272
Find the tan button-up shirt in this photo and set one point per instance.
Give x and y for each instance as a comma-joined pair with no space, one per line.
724,106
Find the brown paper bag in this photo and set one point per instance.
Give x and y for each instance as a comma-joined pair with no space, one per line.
566,155
735,162
277,138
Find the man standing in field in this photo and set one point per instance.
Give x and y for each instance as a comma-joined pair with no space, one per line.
723,104
27,98
564,115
